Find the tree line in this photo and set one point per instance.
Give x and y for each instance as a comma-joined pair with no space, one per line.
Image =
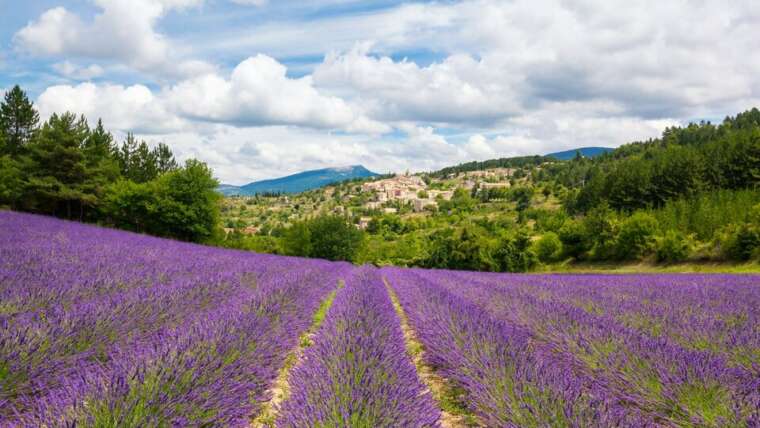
67,168
684,162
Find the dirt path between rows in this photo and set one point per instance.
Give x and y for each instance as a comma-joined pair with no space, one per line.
439,387
280,390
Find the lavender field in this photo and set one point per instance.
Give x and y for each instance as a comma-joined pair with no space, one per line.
102,328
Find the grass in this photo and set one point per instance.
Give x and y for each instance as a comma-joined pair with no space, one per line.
643,267
450,397
268,413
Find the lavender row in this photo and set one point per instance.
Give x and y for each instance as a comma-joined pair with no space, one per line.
358,373
509,378
194,336
663,379
215,371
715,313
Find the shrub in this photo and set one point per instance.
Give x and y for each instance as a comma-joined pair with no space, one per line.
573,237
673,247
601,231
742,242
515,255
463,249
636,236
548,248
325,237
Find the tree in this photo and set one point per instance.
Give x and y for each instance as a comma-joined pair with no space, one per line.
522,196
129,205
741,242
296,240
141,164
164,157
629,185
573,237
99,144
58,173
673,247
600,229
333,238
102,166
548,248
677,171
187,206
181,204
463,249
18,121
514,254
636,236
324,237
11,181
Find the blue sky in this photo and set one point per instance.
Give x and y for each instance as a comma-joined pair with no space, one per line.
262,88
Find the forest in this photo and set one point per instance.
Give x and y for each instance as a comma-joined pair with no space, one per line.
67,168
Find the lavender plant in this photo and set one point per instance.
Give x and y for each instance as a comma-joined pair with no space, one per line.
358,374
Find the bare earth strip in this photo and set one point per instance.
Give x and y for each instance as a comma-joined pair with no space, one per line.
453,414
280,390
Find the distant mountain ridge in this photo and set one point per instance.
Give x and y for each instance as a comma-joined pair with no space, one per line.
299,182
588,152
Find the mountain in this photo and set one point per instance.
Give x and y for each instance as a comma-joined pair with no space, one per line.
588,152
300,182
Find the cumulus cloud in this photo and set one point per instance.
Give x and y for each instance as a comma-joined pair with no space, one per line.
458,89
257,3
258,92
122,108
124,31
76,72
483,78
240,155
655,59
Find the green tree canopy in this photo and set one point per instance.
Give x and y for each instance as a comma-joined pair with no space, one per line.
18,121
324,237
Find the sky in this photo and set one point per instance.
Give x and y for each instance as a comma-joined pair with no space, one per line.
264,88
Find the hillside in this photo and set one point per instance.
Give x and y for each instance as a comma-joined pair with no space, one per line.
299,182
689,198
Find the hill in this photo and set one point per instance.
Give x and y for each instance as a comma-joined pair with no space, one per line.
299,182
586,152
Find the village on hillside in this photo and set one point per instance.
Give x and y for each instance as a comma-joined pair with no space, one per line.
402,194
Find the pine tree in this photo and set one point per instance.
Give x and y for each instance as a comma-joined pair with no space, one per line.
165,161
58,169
18,121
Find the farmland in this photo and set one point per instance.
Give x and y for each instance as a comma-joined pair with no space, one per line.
105,328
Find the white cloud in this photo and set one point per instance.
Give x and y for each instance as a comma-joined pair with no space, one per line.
258,92
655,59
133,108
257,3
76,72
241,155
456,90
124,31
486,78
